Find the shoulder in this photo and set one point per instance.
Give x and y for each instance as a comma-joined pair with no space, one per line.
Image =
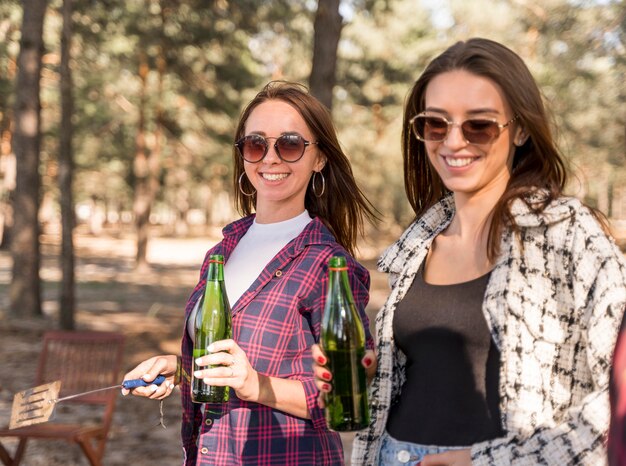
238,227
316,244
419,232
231,234
567,215
531,210
571,229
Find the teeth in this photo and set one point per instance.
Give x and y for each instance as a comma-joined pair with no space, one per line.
274,176
458,162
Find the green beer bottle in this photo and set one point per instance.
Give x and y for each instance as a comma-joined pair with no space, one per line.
213,323
343,342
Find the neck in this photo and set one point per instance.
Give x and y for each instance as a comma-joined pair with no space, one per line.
473,213
269,215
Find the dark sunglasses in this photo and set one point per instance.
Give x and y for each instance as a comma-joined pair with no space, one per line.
289,147
475,130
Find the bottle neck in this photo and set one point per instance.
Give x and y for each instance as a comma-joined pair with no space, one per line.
216,271
338,280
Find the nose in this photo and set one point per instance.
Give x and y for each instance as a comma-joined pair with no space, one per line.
272,156
455,138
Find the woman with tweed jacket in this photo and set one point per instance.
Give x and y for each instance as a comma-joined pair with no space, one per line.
495,343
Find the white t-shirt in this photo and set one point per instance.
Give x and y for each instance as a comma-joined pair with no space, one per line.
254,251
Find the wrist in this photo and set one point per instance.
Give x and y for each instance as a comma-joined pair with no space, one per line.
257,388
180,372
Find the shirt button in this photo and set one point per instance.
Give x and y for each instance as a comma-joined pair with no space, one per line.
403,456
208,422
204,451
278,273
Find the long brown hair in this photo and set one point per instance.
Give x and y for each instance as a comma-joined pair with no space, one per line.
537,164
342,206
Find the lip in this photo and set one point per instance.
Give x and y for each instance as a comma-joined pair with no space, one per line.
273,177
459,163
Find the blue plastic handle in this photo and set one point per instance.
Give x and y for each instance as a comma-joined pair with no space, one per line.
128,384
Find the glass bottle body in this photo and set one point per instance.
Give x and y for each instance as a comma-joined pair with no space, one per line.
212,323
343,342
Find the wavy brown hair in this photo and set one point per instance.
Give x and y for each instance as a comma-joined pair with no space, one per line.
343,206
537,164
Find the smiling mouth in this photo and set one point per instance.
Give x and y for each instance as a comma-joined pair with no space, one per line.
274,176
458,162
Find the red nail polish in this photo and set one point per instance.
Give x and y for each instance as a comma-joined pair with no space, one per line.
326,387
326,375
321,360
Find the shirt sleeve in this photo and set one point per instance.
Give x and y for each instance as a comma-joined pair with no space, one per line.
579,436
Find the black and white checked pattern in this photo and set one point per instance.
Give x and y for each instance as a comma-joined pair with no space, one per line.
554,307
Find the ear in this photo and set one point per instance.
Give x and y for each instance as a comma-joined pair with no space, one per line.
521,135
320,163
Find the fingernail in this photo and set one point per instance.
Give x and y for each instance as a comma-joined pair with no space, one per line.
153,388
367,361
210,348
326,375
197,374
198,361
326,387
321,360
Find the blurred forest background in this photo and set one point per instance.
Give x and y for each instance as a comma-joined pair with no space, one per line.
139,100
116,130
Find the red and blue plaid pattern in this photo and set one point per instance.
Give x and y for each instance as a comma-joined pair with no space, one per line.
275,322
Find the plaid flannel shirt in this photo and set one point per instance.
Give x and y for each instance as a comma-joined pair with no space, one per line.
275,322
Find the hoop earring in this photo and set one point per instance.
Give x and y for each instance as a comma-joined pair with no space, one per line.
241,187
313,184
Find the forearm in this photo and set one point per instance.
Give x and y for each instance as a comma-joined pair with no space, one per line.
286,395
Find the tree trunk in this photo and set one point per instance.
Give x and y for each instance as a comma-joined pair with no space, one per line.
66,166
143,198
25,288
7,186
326,39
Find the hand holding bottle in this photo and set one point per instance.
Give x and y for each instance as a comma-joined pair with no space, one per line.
228,366
148,370
323,377
342,338
213,323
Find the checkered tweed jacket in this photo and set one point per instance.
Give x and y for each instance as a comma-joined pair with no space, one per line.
553,306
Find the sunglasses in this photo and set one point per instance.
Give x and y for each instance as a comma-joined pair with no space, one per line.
289,147
475,130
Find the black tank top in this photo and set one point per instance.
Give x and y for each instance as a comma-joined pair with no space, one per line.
450,397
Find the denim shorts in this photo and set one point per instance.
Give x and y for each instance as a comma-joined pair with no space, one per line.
397,453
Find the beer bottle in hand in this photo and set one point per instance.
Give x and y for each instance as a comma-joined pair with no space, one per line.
213,323
343,342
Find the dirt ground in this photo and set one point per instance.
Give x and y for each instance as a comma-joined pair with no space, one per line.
145,306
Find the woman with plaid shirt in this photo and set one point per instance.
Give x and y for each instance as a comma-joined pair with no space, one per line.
291,171
494,345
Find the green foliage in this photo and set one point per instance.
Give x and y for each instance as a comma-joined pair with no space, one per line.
206,59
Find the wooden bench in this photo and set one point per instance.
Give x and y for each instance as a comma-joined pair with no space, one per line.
82,361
